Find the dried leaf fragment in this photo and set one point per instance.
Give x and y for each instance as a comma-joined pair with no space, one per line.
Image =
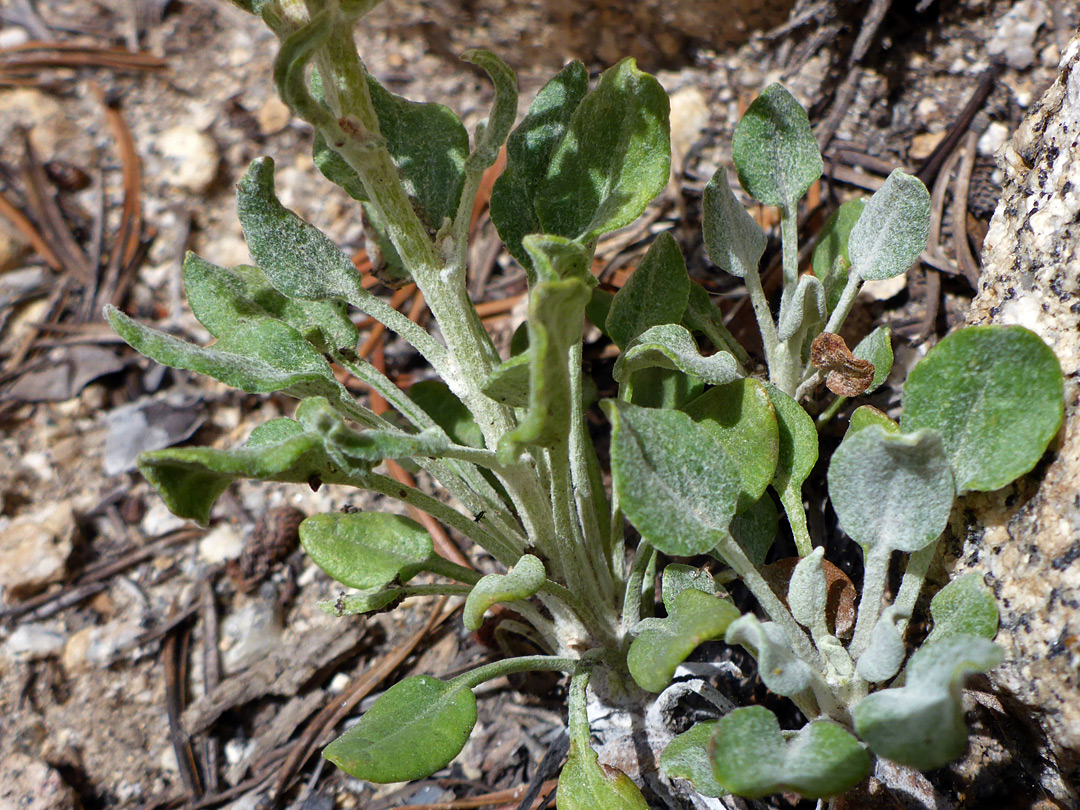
848,375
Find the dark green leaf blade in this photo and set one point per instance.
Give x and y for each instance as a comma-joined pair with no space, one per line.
586,785
687,757
996,394
964,606
655,294
614,158
366,549
830,259
417,727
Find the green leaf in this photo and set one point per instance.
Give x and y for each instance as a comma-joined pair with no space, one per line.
191,479
297,258
997,396
369,600
584,784
665,388
521,582
556,321
805,310
259,357
676,483
503,111
415,728
830,259
886,651
217,297
740,416
687,757
780,669
447,411
921,724
366,549
755,527
662,644
598,308
613,159
808,590
508,382
656,293
798,445
891,490
866,415
892,230
528,155
670,346
774,149
733,239
964,606
751,758
678,578
876,348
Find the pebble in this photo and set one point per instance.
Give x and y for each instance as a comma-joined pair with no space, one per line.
34,550
689,117
33,642
1014,37
13,249
220,544
923,145
993,139
50,125
273,116
250,634
158,520
191,158
30,784
98,647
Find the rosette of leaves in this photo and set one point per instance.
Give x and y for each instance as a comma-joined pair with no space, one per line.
705,456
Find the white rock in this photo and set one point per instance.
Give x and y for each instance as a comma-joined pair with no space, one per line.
250,634
49,123
993,139
1014,36
220,544
158,520
191,158
99,647
30,784
34,549
273,116
32,642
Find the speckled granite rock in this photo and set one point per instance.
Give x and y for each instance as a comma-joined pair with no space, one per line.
1025,539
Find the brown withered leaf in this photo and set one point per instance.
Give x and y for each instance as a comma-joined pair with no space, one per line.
848,375
840,603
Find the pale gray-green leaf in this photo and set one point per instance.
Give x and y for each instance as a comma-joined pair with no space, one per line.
366,549
687,757
585,785
521,582
964,606
892,230
503,110
808,590
780,669
885,653
805,309
733,239
670,346
876,348
678,578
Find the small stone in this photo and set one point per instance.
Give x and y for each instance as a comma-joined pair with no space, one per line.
191,158
250,634
886,288
29,784
689,117
993,139
273,116
49,123
220,544
33,642
923,144
99,647
158,520
13,248
34,550
1014,37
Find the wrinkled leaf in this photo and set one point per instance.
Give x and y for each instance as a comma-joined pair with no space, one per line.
366,549
528,155
921,724
676,483
996,394
964,606
521,582
751,758
656,293
740,416
584,784
508,382
848,375
415,728
774,149
670,346
892,230
687,757
614,158
891,490
780,669
662,644
733,239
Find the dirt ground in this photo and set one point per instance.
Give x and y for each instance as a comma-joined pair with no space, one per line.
145,662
